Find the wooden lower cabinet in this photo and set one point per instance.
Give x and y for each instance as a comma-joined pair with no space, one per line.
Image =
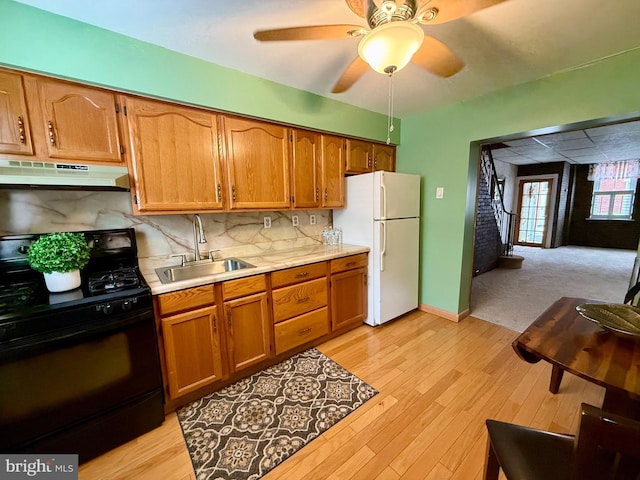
248,322
248,338
348,291
192,350
210,334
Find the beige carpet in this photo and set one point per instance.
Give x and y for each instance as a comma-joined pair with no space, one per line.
515,298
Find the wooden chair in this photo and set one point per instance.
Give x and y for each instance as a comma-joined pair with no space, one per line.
606,447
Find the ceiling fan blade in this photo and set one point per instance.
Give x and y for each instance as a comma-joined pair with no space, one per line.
437,58
318,32
351,75
448,10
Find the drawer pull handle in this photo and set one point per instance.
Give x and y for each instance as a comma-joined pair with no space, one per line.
350,264
215,325
302,275
303,299
304,331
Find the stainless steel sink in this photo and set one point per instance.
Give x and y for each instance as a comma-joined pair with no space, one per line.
188,272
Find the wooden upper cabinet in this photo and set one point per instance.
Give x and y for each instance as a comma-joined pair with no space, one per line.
359,156
384,157
258,157
305,187
79,123
15,135
332,172
174,157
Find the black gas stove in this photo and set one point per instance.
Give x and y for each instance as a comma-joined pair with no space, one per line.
79,370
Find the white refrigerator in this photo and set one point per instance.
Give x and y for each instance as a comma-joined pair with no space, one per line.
382,212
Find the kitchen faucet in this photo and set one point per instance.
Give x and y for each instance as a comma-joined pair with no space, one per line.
197,222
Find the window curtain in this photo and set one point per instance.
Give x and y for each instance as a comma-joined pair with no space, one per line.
628,169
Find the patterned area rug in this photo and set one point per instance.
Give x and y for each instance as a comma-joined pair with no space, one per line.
248,428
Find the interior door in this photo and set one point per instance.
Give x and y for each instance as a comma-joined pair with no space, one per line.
534,197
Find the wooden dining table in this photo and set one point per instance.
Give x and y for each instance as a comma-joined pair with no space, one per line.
572,343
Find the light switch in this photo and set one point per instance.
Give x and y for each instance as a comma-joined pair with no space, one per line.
439,192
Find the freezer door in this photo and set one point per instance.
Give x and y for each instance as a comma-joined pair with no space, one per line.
396,195
394,268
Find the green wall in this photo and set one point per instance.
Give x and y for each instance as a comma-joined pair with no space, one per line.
438,145
38,41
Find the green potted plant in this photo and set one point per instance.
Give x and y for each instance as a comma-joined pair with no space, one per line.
59,256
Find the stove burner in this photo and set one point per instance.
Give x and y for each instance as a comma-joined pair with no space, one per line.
12,297
113,281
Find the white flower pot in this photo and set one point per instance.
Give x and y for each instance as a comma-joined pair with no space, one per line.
61,282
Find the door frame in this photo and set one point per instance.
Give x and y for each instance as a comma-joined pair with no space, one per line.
553,202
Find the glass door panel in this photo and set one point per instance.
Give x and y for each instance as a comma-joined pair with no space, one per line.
533,198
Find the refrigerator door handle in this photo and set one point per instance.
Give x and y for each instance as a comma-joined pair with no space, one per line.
383,198
383,243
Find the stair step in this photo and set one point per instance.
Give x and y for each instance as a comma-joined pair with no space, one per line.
510,261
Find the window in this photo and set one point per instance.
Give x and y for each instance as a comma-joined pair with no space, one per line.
613,198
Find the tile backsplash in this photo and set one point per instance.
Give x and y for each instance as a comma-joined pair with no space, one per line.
31,211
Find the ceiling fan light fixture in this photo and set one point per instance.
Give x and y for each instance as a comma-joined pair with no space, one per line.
390,45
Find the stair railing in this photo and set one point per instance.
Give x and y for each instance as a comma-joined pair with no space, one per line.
505,220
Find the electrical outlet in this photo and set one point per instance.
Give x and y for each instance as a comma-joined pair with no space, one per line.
267,222
295,220
312,219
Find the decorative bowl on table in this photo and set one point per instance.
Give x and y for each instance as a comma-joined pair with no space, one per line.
615,317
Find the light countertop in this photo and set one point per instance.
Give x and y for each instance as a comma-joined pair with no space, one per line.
265,262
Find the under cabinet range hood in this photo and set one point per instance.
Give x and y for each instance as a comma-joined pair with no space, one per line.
62,176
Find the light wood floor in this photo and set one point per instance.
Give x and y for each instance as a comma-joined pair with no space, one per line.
438,382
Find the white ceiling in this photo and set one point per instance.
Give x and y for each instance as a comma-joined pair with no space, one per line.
610,143
513,42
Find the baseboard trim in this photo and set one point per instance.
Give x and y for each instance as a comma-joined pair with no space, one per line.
454,317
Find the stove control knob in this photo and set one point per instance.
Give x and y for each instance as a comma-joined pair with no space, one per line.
126,305
107,308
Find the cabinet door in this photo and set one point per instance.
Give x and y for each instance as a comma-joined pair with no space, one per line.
384,157
248,331
192,350
80,123
332,172
257,155
15,136
348,298
358,156
175,157
305,168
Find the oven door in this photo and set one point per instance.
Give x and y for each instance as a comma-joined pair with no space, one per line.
66,378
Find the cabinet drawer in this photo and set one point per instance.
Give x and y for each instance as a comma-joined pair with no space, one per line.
300,298
298,274
244,286
347,263
302,329
187,299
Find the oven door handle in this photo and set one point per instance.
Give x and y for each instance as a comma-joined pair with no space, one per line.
70,335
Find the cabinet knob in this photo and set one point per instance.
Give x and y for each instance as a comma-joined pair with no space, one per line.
52,136
304,331
215,324
23,139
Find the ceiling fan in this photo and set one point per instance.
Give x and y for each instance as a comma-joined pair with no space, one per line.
394,37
